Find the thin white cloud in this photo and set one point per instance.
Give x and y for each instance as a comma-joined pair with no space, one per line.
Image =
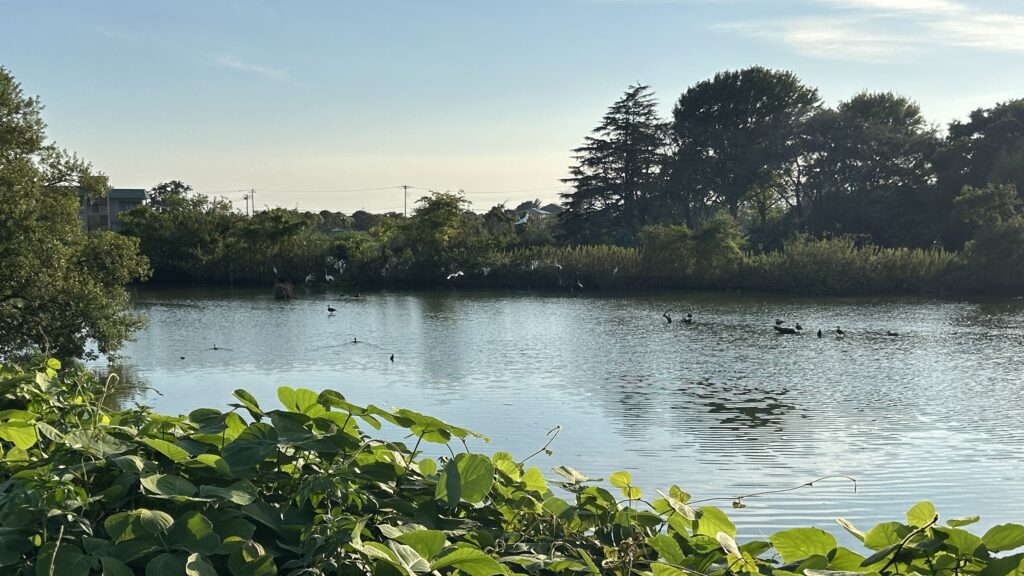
936,7
997,32
889,30
236,63
831,39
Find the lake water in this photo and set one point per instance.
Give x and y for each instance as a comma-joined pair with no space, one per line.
721,407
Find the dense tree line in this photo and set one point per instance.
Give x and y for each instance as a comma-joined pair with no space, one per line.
760,145
752,183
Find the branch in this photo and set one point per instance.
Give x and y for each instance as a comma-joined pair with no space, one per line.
739,499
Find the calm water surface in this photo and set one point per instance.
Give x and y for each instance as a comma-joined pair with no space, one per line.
721,407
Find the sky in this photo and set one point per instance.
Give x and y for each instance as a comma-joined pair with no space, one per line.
335,105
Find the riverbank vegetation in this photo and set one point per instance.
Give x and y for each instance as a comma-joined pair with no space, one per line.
752,183
91,488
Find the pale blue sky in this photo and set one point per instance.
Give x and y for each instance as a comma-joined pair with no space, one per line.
305,101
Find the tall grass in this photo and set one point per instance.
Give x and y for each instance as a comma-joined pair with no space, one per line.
840,266
566,267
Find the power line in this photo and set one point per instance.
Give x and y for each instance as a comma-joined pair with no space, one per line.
331,191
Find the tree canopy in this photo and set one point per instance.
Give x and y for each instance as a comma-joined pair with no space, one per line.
62,287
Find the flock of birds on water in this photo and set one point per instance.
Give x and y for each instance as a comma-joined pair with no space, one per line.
780,327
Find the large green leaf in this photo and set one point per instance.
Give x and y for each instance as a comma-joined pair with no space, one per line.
175,453
712,521
885,534
241,492
467,477
667,547
21,433
799,543
249,403
659,569
534,480
301,400
196,565
193,532
135,523
427,542
469,560
65,560
96,442
1004,537
921,514
168,485
957,522
114,567
251,447
962,540
620,479
166,564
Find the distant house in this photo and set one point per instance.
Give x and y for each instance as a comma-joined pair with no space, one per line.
102,213
549,210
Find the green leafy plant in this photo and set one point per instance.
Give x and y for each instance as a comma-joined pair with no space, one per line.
303,490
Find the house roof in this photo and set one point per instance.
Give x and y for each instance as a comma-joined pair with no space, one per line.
127,194
549,210
121,193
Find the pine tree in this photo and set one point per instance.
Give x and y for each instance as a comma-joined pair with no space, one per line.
618,173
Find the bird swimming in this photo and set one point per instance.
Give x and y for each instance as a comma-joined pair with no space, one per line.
819,332
355,340
667,317
392,357
779,322
688,319
840,333
798,326
785,330
891,333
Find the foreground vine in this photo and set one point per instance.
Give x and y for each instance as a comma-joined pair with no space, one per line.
303,490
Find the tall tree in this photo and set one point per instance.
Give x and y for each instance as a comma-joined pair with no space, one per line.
164,193
61,287
987,149
872,171
734,133
618,174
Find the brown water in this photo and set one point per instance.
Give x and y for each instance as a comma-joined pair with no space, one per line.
721,407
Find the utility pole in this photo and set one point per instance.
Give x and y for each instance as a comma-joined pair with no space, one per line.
246,197
405,205
252,194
